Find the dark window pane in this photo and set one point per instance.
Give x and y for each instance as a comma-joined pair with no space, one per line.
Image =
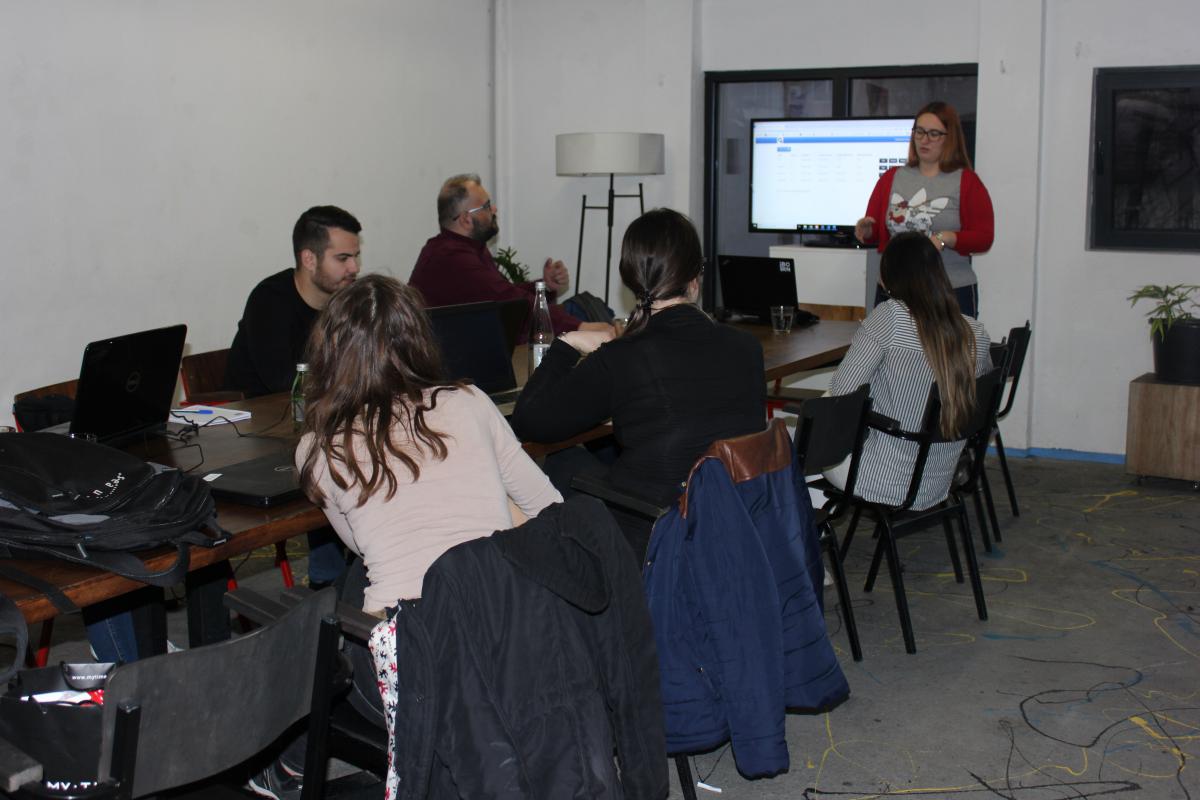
901,97
1156,160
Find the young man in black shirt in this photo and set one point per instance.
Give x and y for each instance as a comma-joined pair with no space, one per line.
274,330
279,314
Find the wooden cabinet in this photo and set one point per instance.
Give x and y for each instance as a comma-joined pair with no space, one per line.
1162,435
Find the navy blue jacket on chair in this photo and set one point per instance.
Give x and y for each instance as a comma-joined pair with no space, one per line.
733,577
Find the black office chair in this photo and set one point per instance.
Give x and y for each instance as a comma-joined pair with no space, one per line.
1018,346
829,430
180,718
352,737
895,521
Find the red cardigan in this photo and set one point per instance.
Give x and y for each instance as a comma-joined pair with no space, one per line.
974,213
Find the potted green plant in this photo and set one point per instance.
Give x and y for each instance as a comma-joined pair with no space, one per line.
515,271
1174,330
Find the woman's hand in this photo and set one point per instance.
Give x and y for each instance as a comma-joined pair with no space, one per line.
586,341
864,229
944,239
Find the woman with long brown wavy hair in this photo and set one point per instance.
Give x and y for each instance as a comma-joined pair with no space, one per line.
405,464
916,338
938,194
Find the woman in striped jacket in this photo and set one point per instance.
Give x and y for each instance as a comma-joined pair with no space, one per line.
916,338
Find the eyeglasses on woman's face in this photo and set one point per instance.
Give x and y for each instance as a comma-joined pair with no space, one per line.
932,134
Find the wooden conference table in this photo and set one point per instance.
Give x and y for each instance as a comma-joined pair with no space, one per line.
270,429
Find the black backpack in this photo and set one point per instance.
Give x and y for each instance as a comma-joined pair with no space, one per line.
91,504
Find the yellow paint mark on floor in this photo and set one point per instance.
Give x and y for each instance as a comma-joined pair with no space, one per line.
1104,498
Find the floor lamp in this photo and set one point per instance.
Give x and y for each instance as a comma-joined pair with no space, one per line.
611,154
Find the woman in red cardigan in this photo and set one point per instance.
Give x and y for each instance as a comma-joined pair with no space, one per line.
936,193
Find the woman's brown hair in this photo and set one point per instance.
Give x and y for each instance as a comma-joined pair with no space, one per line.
954,151
660,256
912,272
374,371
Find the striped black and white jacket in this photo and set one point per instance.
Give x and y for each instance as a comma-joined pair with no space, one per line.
886,353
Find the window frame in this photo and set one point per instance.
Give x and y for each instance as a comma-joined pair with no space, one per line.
841,78
1103,234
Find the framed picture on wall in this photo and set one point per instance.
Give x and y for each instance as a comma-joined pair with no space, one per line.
1145,192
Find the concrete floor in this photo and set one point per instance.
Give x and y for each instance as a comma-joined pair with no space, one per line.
1084,682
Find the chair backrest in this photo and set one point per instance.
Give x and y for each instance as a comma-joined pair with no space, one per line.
204,710
747,456
35,409
830,429
983,415
66,388
1018,346
203,375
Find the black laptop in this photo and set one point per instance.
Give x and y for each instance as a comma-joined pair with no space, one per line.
264,482
126,385
475,347
750,285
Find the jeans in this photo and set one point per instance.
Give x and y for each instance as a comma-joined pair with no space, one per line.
112,638
326,556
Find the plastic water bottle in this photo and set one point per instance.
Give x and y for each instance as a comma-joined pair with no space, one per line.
298,394
541,332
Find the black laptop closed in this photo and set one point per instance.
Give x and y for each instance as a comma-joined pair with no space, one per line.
263,482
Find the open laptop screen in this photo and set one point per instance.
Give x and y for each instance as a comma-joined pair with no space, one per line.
750,285
126,383
474,345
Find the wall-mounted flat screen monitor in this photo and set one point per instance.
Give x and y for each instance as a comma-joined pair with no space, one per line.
815,175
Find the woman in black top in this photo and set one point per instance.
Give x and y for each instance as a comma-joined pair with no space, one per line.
672,384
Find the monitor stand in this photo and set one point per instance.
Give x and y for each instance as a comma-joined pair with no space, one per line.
839,239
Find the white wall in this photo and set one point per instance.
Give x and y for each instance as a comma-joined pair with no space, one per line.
571,66
156,155
1089,343
785,34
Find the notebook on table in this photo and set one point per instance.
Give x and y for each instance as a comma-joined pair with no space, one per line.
126,385
475,347
750,285
264,482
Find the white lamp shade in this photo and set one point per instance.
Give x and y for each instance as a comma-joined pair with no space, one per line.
609,153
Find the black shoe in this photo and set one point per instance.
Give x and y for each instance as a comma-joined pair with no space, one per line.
317,586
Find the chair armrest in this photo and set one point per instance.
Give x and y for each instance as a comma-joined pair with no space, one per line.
262,610
882,422
600,488
355,623
256,607
17,767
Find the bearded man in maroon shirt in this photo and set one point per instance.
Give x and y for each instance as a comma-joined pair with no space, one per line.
456,266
